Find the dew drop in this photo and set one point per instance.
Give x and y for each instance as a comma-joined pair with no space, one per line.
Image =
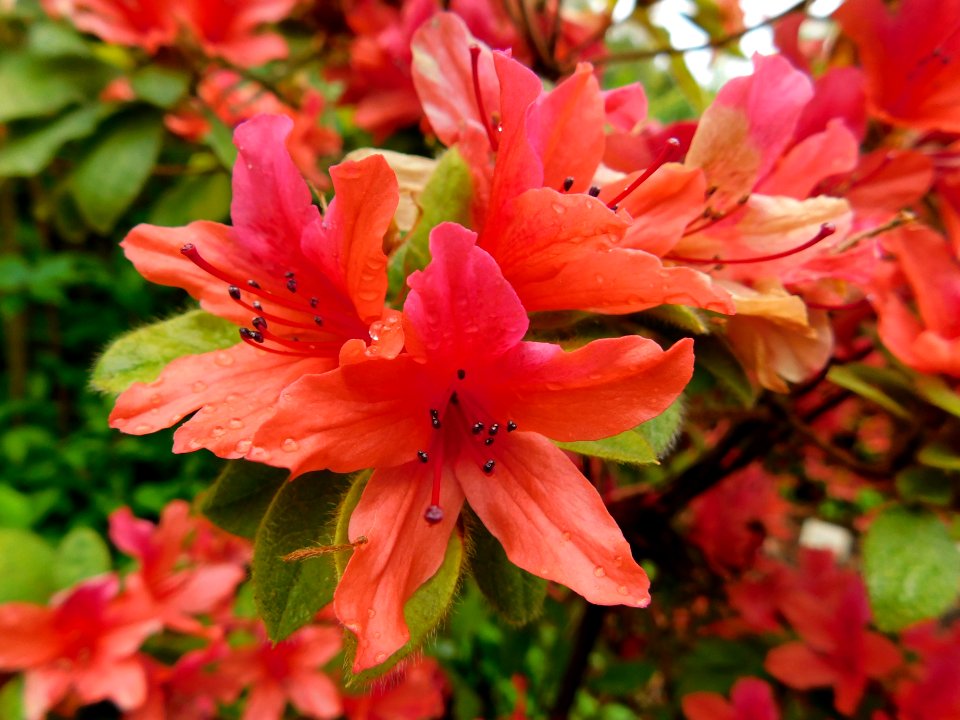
174,419
373,350
618,561
259,454
622,590
142,428
371,613
223,359
381,657
235,423
243,446
377,635
559,209
599,571
194,444
565,536
232,398
155,399
218,431
199,386
291,445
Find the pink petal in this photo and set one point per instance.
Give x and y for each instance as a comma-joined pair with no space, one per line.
43,689
314,695
552,522
402,552
123,682
130,534
266,701
815,158
662,207
600,390
753,700
460,307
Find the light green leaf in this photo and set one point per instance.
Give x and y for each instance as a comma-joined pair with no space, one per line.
82,554
689,319
875,384
11,699
111,175
33,86
239,498
220,140
302,515
514,593
911,566
446,197
193,197
26,567
935,391
28,152
160,86
52,39
140,355
943,451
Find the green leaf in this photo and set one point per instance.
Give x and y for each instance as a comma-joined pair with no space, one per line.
425,608
926,485
82,554
689,319
26,567
52,39
111,175
28,152
514,593
446,197
935,391
193,197
630,447
241,495
944,450
662,431
715,357
879,385
220,140
140,355
302,515
11,699
160,86
911,566
33,86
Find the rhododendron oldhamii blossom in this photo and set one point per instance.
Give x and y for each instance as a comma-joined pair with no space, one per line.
84,645
305,288
465,416
750,699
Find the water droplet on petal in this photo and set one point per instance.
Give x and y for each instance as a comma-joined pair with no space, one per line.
599,571
622,590
618,560
223,359
559,209
235,423
377,635
243,446
291,445
194,444
565,536
199,386
232,398
381,657
155,399
599,278
142,428
218,431
371,613
174,419
259,454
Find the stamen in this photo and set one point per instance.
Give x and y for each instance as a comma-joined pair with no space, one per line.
455,399
461,374
593,191
423,456
489,441
259,323
488,466
306,553
511,426
567,184
234,292
669,148
435,418
475,71
313,302
477,428
254,284
248,334
826,230
494,429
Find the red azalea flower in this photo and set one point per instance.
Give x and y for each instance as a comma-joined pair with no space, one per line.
466,416
932,693
177,593
835,649
84,645
415,693
750,699
148,24
313,288
228,28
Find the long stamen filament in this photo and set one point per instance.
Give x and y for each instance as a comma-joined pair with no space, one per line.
475,71
669,148
826,230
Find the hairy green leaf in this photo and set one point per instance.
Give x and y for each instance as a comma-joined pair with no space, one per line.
239,498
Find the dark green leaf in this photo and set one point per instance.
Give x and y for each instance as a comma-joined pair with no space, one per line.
911,566
926,485
28,152
661,432
26,567
51,39
713,356
160,86
140,356
879,385
33,86
111,175
241,495
82,554
516,594
220,140
193,197
935,391
302,515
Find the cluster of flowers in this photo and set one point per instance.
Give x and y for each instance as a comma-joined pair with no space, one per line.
111,639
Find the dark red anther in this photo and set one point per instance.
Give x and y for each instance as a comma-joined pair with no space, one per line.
477,428
461,374
593,191
423,456
254,284
826,230
669,148
313,302
488,466
475,71
292,285
234,292
433,514
494,429
489,441
259,323
511,426
567,184
318,320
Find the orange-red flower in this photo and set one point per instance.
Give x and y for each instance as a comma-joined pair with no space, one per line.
306,288
466,416
750,699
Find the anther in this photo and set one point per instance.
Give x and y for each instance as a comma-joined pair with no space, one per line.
313,302
477,428
248,334
259,323
511,426
593,191
489,441
288,274
461,374
257,305
567,184
433,514
253,284
292,285
435,418
455,399
488,466
494,429
423,456
234,292
318,320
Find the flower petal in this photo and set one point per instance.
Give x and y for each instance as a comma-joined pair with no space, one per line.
401,553
798,666
29,636
707,706
314,695
602,389
552,522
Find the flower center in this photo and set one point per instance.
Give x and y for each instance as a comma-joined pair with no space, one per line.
478,430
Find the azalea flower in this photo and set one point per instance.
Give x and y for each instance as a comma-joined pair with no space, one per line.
750,699
178,594
466,416
189,690
305,290
417,692
84,646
